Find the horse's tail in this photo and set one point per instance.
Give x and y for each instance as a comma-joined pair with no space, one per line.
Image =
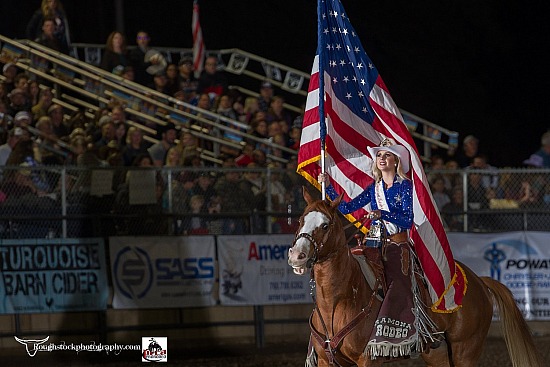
517,335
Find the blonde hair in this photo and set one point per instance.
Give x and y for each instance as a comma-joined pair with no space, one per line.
47,11
377,174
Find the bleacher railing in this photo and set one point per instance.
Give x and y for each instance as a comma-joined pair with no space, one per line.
291,81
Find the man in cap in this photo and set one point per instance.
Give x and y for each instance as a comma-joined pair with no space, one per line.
18,101
9,71
158,150
266,94
22,119
186,77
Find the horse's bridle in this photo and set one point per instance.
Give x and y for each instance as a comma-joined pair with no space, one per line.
317,247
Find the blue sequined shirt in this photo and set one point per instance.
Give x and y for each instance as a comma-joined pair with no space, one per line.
398,196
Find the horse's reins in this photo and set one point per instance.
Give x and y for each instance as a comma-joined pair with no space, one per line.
330,345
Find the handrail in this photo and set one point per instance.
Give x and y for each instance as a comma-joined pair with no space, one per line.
287,78
136,91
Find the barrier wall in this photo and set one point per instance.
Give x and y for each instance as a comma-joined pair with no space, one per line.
207,288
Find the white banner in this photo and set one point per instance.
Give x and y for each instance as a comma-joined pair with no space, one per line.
254,271
162,272
520,260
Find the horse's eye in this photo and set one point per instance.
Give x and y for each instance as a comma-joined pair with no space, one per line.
325,226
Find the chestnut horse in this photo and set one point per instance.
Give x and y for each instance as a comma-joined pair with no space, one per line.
346,306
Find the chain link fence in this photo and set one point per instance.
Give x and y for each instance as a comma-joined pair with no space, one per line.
69,202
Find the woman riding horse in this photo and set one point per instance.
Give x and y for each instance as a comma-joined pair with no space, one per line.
391,201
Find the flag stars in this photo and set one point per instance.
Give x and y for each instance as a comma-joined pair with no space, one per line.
360,94
360,66
371,66
334,30
365,109
332,63
356,49
348,96
363,82
334,80
342,62
346,79
338,47
325,31
345,32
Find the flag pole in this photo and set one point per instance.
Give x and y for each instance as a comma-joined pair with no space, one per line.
322,123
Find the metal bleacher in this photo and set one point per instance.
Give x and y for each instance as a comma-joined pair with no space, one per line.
79,85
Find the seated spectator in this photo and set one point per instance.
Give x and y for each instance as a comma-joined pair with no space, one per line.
212,81
453,212
487,179
115,56
277,112
158,150
9,71
438,192
41,108
135,145
266,94
49,39
188,145
195,225
56,114
186,79
470,149
233,200
22,119
18,102
172,84
251,106
543,152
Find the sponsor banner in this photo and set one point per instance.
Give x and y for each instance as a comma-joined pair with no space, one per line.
162,272
519,260
53,275
253,270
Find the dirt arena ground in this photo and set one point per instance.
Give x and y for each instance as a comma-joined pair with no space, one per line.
494,355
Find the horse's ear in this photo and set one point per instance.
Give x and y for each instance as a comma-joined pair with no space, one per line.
337,201
307,195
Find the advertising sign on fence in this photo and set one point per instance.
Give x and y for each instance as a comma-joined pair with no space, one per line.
520,260
163,272
254,271
53,275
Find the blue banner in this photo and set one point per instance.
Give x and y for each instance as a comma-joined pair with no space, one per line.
57,275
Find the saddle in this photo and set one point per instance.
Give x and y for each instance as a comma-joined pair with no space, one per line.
374,256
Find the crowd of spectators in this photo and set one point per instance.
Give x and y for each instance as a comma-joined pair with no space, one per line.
486,192
35,131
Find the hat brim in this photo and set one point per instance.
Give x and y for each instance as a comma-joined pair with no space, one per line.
398,150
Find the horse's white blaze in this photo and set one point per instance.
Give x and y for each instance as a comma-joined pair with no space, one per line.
312,220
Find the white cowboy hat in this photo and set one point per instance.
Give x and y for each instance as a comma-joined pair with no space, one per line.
159,66
390,146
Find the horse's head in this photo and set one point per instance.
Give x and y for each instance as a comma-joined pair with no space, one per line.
319,235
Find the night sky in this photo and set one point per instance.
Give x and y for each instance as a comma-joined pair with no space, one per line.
477,67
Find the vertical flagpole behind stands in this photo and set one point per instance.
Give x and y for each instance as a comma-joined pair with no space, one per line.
322,123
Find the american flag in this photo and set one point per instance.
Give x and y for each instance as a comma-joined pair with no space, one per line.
198,42
360,112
